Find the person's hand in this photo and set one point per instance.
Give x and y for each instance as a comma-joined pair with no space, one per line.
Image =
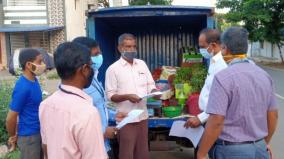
201,156
192,122
110,132
134,98
120,116
12,142
269,151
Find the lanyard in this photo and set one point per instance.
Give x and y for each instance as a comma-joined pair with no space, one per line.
68,92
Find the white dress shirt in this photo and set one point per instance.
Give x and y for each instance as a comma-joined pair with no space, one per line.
217,64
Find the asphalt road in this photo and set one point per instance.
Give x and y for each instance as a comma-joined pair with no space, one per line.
278,138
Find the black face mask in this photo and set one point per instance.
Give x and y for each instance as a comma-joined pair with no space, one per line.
90,78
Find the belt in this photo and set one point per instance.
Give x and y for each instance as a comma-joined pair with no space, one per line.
223,142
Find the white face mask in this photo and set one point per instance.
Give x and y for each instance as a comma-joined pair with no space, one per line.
211,53
39,69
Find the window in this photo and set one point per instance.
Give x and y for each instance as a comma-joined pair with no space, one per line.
26,3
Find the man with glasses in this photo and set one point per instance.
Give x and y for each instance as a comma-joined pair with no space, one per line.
70,125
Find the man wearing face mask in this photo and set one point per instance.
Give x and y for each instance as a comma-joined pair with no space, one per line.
210,48
126,81
96,91
25,103
242,105
70,124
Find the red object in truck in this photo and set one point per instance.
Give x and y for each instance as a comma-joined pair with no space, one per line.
192,104
166,103
157,73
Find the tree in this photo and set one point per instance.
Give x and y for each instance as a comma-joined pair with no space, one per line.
152,2
264,19
222,23
103,3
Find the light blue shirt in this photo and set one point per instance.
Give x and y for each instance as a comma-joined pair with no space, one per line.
96,91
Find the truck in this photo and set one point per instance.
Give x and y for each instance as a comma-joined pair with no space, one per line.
161,32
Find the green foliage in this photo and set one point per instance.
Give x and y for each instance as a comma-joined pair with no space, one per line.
183,75
13,155
152,2
6,89
195,75
264,19
223,24
198,77
52,75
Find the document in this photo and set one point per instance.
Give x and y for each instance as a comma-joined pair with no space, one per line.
152,95
132,115
193,134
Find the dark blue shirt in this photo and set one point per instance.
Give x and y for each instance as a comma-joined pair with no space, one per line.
26,99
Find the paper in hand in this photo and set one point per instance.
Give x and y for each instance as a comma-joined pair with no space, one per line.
132,115
193,134
152,95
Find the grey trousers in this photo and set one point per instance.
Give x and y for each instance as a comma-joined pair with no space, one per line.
30,147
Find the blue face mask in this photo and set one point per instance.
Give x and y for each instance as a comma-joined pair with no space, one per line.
97,61
205,53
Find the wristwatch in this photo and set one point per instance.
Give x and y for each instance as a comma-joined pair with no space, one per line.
115,133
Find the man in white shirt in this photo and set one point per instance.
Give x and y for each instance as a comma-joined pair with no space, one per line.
210,48
126,81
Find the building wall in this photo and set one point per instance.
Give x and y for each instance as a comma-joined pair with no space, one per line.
39,39
1,13
18,12
92,4
3,61
49,12
118,3
56,17
265,50
70,14
2,39
75,18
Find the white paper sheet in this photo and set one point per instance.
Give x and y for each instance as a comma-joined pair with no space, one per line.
132,115
193,134
152,95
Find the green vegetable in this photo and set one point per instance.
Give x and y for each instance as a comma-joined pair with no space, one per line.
198,77
183,75
195,76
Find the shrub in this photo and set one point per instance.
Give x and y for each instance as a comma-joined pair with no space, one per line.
6,89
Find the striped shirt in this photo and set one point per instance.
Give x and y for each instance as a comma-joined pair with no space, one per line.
243,93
